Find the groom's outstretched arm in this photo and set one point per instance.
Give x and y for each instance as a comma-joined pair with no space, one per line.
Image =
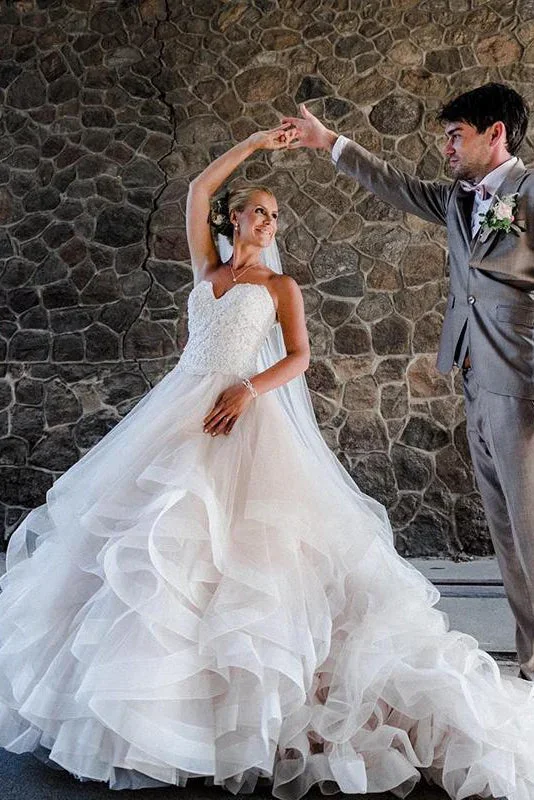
427,199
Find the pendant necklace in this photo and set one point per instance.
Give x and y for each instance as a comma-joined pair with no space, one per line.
235,277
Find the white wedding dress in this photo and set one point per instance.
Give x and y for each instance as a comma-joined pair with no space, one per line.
187,605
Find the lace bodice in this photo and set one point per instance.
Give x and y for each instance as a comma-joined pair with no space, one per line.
227,333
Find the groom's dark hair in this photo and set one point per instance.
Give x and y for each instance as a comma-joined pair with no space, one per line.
493,102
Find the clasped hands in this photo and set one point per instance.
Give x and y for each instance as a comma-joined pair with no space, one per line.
293,132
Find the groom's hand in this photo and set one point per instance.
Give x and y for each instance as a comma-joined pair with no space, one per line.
310,131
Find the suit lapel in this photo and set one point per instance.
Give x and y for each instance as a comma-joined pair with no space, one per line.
481,245
464,204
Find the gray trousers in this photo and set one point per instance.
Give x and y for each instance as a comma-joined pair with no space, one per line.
500,431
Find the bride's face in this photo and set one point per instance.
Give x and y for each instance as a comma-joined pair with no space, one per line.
258,220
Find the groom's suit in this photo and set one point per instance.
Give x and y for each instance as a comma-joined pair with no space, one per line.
490,317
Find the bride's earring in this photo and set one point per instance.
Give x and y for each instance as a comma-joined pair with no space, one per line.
236,228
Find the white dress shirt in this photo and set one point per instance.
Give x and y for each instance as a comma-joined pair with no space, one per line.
484,190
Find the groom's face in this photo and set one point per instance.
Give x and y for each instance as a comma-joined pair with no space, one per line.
468,152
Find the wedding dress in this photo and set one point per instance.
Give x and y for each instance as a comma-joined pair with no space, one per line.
186,605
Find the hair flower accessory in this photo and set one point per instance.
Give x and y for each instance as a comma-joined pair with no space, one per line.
502,216
219,216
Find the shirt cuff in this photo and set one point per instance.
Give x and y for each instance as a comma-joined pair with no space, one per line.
337,149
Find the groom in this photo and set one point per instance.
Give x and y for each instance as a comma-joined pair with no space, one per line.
488,330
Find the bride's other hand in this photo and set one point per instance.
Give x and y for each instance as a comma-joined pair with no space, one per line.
227,409
309,131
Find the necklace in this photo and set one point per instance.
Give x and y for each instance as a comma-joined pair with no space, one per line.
235,277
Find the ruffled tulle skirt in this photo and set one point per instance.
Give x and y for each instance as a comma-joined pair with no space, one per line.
187,605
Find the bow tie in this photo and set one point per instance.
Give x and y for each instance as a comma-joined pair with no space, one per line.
478,188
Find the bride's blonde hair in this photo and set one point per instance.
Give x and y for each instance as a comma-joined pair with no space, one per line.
234,199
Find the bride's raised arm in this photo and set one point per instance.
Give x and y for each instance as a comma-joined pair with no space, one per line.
204,256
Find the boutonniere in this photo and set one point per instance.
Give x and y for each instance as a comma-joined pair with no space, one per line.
500,217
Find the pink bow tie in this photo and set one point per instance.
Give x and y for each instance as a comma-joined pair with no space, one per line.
479,189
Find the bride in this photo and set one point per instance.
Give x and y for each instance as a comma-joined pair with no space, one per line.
207,593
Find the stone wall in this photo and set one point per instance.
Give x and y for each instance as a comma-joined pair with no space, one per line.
109,108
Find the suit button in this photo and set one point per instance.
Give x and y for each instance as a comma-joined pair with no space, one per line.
471,300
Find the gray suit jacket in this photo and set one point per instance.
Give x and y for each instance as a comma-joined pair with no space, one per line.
491,300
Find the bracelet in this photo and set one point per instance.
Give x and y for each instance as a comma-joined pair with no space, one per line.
250,387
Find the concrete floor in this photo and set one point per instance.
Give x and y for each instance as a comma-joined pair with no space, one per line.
472,595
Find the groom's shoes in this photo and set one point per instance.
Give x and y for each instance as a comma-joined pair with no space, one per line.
522,675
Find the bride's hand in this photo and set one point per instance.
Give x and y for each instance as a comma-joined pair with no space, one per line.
274,139
227,409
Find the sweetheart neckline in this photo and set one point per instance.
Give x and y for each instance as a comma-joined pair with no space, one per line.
228,291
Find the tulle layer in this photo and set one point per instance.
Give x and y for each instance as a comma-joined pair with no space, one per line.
187,605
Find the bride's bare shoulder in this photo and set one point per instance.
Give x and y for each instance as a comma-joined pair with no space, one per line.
283,284
285,292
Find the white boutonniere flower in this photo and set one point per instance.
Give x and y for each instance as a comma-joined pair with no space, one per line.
500,217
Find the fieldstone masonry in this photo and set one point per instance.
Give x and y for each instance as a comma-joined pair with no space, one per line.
109,108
